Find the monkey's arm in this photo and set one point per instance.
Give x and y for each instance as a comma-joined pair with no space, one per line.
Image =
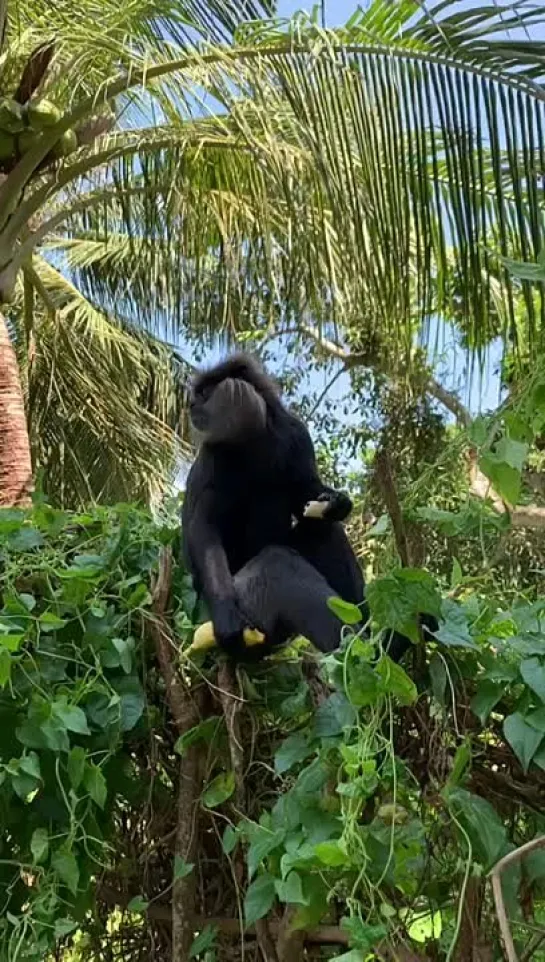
311,497
211,570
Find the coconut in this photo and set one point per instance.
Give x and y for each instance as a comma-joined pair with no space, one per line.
11,116
7,146
26,140
67,144
42,113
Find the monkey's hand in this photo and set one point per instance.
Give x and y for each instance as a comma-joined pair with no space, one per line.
330,506
229,624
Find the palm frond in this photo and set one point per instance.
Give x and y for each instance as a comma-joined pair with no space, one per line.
106,404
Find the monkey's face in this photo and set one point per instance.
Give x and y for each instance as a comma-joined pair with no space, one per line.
229,411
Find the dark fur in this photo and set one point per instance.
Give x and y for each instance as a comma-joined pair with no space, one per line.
245,486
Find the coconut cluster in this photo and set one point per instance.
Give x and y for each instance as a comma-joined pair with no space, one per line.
21,126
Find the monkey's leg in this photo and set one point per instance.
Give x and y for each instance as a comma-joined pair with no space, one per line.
283,595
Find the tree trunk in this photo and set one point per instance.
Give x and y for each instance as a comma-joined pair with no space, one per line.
15,463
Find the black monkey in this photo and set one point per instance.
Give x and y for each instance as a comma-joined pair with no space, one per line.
255,557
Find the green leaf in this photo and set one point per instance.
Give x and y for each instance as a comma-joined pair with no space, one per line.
29,601
523,738
331,854
290,890
138,905
504,478
124,649
348,613
487,695
363,684
26,539
511,452
85,561
259,898
72,717
424,928
204,941
76,766
219,790
525,271
95,784
391,606
312,778
11,641
181,868
30,765
482,823
397,599
49,621
454,630
537,719
539,757
205,731
139,598
462,759
396,681
64,927
263,842
65,864
229,840
534,866
296,748
438,677
39,844
132,701
5,666
456,574
366,937
333,716
533,673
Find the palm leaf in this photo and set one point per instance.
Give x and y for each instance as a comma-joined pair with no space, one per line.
106,404
377,182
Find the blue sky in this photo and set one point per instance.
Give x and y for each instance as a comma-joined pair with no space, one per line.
337,11
478,387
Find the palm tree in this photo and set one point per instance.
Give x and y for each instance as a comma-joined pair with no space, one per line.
373,175
72,351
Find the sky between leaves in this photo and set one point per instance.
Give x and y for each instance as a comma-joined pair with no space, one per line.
478,387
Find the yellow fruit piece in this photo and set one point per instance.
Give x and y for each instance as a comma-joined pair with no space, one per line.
252,636
315,509
204,637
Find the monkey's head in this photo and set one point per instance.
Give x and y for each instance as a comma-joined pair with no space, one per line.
230,403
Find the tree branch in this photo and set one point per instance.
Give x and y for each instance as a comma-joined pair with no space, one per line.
186,707
495,875
521,516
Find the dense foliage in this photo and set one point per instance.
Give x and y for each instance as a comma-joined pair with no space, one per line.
392,795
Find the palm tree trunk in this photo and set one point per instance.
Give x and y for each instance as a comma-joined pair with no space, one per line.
15,463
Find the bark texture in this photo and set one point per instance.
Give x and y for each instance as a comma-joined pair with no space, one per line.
15,462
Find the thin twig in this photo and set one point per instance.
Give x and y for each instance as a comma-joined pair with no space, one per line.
385,478
231,704
495,875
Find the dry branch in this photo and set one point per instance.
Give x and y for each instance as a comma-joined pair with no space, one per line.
495,875
526,516
231,704
385,478
186,707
